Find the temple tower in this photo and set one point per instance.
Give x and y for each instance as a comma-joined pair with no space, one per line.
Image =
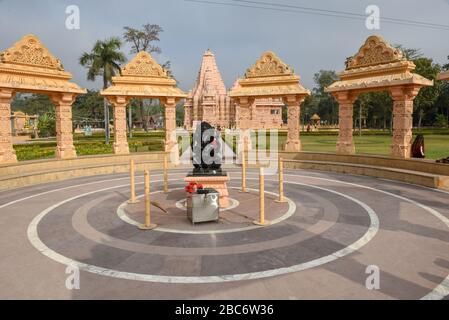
208,100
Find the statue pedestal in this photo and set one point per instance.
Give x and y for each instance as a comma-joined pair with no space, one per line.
216,182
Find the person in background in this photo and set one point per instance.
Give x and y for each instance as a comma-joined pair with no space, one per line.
418,147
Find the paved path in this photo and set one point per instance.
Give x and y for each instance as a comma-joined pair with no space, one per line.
339,225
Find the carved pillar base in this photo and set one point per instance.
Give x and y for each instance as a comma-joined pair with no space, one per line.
120,148
65,152
7,153
292,145
345,143
402,121
171,143
344,147
120,145
64,127
188,116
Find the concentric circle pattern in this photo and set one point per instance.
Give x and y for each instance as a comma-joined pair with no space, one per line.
319,244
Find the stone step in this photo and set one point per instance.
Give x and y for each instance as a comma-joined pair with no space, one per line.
54,164
421,165
409,176
57,174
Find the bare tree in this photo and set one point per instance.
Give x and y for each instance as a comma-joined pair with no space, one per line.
143,40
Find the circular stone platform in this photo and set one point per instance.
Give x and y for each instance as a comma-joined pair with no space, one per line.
243,210
319,246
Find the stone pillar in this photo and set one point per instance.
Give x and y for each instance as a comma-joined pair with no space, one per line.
345,143
171,143
120,145
243,109
402,120
293,143
64,127
188,116
7,153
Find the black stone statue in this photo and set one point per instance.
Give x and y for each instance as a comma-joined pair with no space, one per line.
206,151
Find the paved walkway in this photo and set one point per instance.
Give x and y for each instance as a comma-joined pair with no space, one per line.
320,245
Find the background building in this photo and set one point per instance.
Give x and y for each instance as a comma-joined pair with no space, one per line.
209,101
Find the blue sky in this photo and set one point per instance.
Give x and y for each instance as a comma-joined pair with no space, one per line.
236,35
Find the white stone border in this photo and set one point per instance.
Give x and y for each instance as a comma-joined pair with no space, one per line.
41,247
438,292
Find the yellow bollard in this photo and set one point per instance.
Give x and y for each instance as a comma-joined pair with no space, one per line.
261,221
165,172
147,225
133,198
281,180
243,170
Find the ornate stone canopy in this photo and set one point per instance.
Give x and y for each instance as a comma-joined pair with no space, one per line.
268,77
29,66
444,75
376,66
144,77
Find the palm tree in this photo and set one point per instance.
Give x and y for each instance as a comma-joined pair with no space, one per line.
104,60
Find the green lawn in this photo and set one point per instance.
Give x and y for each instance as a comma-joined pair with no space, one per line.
436,146
95,144
371,142
436,142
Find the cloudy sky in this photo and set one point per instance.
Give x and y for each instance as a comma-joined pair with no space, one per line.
236,34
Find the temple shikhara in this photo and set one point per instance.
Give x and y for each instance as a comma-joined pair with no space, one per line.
209,101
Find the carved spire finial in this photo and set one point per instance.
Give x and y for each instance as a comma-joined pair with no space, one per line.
143,65
30,51
374,51
268,65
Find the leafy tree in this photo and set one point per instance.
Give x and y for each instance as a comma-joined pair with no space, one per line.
47,125
321,102
424,103
409,53
180,114
376,107
38,104
446,66
441,121
88,108
442,102
104,60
